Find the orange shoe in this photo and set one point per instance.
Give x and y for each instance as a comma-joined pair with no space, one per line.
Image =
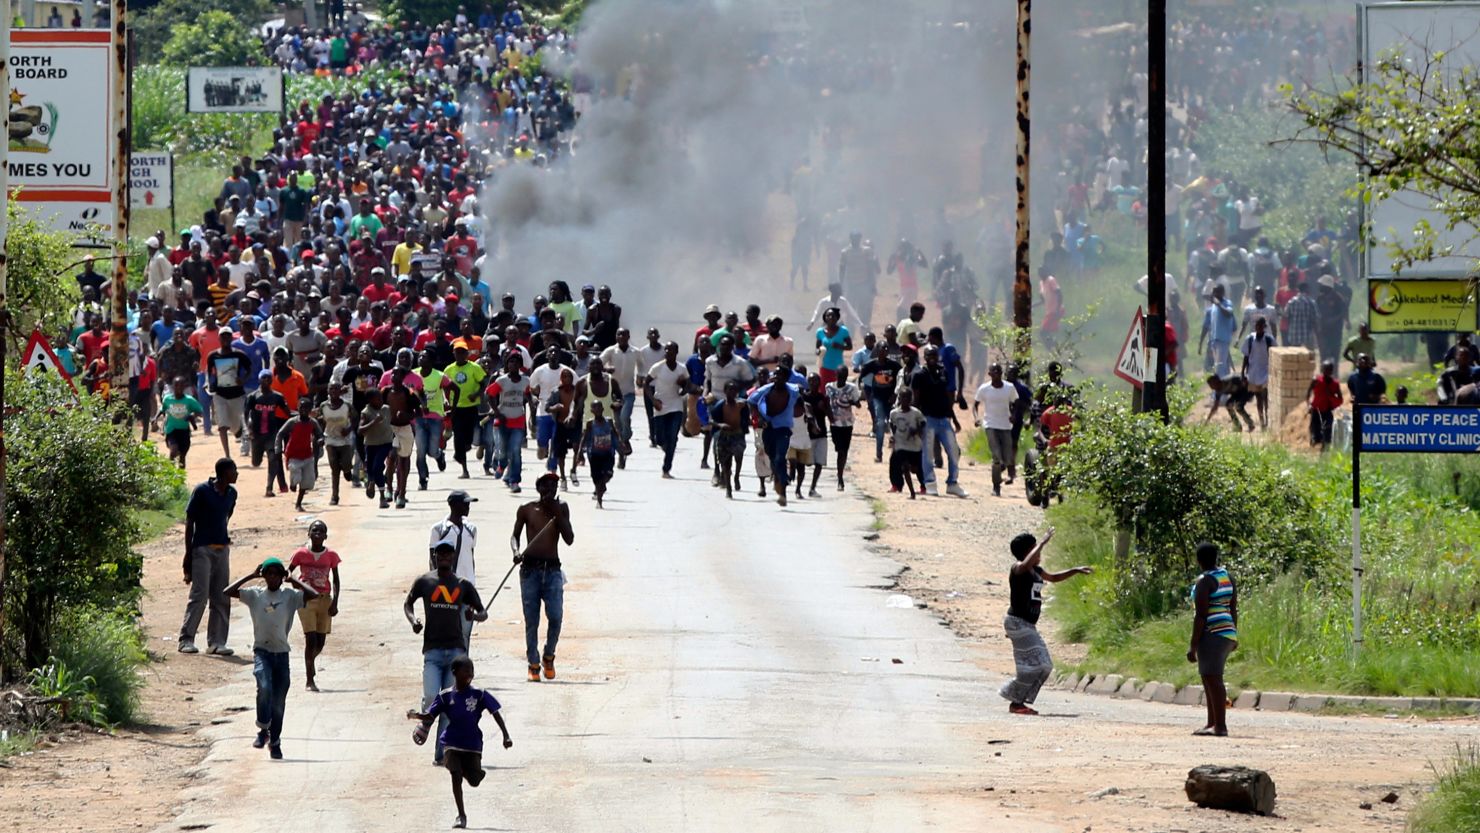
1023,710
549,668
534,673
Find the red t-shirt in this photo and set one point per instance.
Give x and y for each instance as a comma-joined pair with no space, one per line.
93,344
315,570
300,442
1325,394
384,292
1057,424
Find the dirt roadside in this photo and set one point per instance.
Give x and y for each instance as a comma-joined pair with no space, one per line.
956,562
132,779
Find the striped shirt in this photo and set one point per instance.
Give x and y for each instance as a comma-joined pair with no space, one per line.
1220,604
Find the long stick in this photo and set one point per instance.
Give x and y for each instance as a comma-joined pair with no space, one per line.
518,558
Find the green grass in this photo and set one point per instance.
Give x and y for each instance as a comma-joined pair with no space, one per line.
17,742
155,521
878,507
1454,805
107,648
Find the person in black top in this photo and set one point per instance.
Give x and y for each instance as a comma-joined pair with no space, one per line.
1029,651
446,602
207,563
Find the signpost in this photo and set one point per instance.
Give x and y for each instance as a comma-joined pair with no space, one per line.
151,181
1130,364
62,131
1432,429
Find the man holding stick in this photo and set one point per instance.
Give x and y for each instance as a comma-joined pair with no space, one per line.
540,577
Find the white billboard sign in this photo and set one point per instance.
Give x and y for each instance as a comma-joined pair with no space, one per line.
234,90
90,223
151,180
1411,29
61,132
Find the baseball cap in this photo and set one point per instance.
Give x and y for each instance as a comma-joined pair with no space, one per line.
152,242
272,562
446,544
264,375
459,496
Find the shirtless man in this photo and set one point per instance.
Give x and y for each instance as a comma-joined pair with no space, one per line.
406,406
540,577
563,403
730,418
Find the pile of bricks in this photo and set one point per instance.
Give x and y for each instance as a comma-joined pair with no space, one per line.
1290,372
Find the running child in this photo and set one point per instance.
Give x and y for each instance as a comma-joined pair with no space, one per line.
178,411
463,706
599,448
318,567
272,608
301,439
906,438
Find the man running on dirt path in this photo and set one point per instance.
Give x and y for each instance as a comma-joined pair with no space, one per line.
540,577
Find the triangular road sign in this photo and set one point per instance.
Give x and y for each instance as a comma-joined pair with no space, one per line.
38,354
1130,364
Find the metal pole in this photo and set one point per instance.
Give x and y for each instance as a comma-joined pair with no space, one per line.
1022,288
1153,395
118,343
4,289
1356,528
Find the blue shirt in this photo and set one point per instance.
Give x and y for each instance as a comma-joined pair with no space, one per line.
1218,321
210,511
832,347
695,367
257,359
785,419
950,359
463,708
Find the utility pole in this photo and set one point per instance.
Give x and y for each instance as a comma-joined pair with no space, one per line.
1022,288
5,22
118,342
1154,394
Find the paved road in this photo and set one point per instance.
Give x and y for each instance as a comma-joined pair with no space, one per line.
709,680
713,681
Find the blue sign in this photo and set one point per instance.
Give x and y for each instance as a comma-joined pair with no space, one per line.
1425,428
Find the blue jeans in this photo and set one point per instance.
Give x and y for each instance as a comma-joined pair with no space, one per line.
205,399
428,443
271,671
624,416
511,453
939,428
776,441
666,428
436,675
541,584
375,456
489,439
544,431
879,410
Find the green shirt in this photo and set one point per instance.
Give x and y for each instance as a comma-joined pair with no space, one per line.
1358,345
575,316
361,222
295,205
432,381
468,379
177,411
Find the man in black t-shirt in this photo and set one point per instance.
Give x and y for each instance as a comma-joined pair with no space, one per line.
1029,651
446,602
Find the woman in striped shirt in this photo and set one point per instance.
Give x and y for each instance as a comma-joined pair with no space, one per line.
1214,635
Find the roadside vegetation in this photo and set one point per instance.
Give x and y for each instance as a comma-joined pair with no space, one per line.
1283,520
1454,805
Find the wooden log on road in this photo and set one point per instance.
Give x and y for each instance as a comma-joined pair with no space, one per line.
1236,788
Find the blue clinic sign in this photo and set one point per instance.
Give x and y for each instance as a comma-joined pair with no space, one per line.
1433,429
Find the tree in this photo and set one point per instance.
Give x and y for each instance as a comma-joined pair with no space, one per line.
1414,126
77,479
41,296
153,27
215,39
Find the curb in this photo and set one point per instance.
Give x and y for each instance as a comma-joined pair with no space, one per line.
1153,691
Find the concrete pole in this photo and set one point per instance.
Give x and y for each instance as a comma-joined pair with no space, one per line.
1022,289
118,343
1153,396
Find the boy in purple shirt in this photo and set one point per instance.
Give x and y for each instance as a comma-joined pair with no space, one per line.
463,706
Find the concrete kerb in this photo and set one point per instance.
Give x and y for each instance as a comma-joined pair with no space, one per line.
1115,685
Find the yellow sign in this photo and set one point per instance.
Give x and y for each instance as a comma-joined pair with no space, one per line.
1426,305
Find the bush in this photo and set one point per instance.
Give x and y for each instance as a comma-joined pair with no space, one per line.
107,648
69,694
153,27
1454,806
77,481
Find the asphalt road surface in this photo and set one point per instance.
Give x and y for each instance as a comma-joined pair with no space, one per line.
725,665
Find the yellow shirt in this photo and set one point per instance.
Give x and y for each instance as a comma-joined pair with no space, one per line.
401,258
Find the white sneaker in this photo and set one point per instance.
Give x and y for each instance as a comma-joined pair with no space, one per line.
931,490
956,490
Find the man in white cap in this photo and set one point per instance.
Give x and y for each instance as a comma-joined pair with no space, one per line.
457,529
157,272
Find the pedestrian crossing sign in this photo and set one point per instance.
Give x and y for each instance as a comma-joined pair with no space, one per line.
1131,363
39,355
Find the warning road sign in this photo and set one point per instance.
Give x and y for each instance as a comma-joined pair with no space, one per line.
39,355
1131,363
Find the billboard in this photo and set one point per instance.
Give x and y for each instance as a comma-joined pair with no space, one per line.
1425,305
61,142
1410,28
234,90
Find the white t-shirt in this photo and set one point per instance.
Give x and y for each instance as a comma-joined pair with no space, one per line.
647,356
668,385
543,380
997,405
716,374
1257,351
622,364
